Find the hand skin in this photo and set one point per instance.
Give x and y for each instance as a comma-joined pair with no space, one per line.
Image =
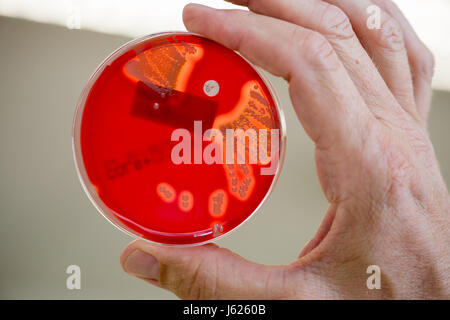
363,97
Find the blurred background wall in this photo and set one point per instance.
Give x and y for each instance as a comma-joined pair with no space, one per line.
46,220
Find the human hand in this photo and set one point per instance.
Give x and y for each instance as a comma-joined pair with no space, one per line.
363,97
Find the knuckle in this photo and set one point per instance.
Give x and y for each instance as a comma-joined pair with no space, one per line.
336,23
425,62
390,35
319,51
418,140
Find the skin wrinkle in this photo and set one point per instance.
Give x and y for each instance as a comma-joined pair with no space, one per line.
197,285
286,286
339,26
215,277
308,276
289,277
320,52
267,283
390,35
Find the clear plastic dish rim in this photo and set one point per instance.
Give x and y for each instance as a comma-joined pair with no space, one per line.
90,190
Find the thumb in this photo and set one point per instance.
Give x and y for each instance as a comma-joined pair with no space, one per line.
206,272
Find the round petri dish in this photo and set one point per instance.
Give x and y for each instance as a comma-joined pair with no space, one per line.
177,139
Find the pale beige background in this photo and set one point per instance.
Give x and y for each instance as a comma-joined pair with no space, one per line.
48,223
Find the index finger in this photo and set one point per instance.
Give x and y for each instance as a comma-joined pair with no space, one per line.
324,97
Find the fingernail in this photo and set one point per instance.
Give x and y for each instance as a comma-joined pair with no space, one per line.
143,265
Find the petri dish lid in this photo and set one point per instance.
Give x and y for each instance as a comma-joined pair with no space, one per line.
177,139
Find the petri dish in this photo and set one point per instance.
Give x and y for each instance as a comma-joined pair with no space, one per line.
177,139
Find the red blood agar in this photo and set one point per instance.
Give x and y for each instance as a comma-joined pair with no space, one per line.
122,138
